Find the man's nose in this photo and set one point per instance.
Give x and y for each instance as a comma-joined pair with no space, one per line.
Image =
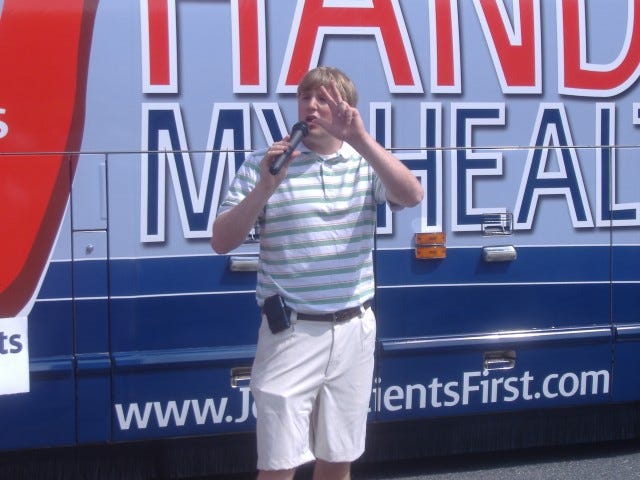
312,103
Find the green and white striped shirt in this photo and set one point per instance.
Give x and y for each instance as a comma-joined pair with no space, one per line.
316,232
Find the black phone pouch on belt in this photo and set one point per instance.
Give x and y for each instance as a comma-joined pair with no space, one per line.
278,315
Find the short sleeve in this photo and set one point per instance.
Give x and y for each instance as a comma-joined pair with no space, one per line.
380,194
244,181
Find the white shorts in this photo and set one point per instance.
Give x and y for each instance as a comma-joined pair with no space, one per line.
312,388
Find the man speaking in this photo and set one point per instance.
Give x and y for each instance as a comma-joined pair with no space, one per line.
312,374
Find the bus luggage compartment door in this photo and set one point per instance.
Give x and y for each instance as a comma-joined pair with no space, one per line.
90,299
458,375
461,335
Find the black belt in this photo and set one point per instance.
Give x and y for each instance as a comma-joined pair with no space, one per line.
339,316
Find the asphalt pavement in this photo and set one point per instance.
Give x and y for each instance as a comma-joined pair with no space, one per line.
611,460
618,460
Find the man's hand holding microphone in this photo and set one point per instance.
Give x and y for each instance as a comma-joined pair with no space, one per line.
298,132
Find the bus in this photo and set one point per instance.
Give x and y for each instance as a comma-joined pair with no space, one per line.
508,301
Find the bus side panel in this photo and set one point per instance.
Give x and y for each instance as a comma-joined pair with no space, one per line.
484,374
462,335
625,265
45,416
175,341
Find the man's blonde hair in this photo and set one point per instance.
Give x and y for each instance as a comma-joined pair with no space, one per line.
322,76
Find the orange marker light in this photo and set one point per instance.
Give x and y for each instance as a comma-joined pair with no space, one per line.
431,245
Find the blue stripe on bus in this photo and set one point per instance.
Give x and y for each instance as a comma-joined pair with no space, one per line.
211,274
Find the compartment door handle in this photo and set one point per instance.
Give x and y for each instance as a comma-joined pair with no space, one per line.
499,360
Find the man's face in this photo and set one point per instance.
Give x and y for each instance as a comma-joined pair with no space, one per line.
313,104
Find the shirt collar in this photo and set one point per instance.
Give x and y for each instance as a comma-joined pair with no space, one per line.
345,151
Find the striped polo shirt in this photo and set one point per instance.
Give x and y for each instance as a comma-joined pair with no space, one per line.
316,231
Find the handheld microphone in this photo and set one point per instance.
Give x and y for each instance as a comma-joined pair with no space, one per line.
298,132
